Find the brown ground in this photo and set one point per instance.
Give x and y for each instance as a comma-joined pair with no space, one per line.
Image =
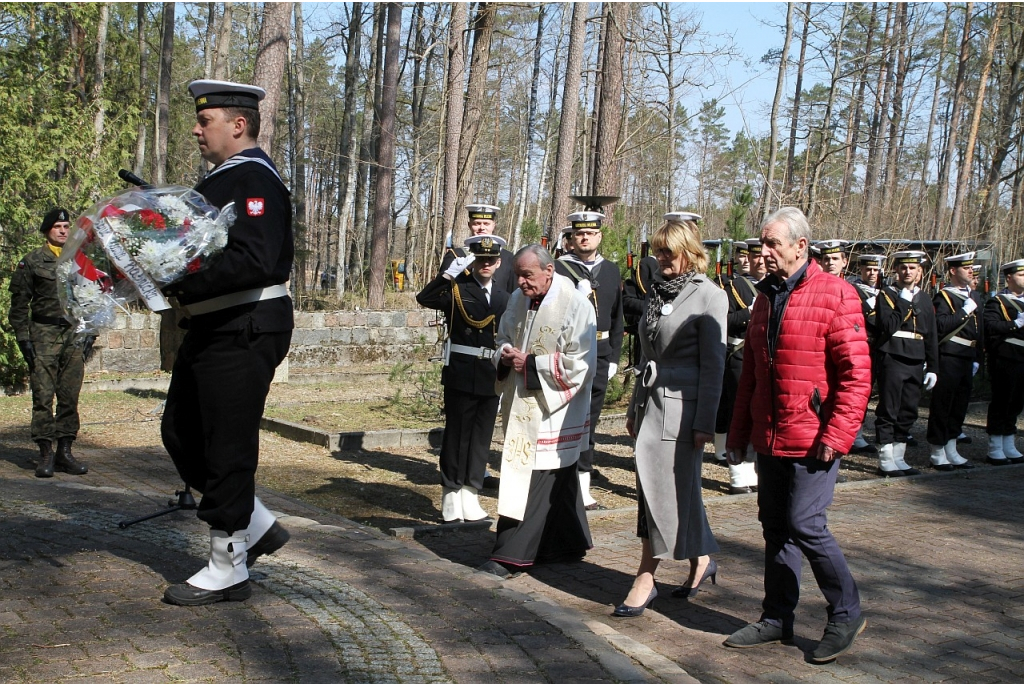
385,489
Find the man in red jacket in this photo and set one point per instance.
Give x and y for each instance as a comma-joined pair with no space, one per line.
802,394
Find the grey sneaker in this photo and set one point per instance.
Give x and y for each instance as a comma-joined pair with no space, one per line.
759,633
837,639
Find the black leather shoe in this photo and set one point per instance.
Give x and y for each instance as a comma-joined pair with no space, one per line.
711,571
626,611
895,473
943,467
757,634
964,466
866,449
911,472
911,441
187,595
837,639
65,461
273,540
1015,460
742,490
997,462
46,457
964,440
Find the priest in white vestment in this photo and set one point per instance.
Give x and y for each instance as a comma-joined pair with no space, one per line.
546,355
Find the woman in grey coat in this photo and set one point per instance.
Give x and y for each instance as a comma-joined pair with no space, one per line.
673,409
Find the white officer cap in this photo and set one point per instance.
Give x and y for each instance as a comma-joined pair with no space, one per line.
1013,267
871,260
567,230
209,93
962,259
586,220
485,245
832,246
680,217
910,257
754,245
482,211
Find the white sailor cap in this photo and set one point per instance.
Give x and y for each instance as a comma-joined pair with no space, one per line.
832,246
680,217
976,268
485,245
209,93
957,260
815,250
586,220
741,247
754,245
481,211
871,260
567,231
910,257
1013,267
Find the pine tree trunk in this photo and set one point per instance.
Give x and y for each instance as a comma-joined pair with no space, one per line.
299,148
348,124
385,158
101,72
163,100
454,92
788,181
929,137
220,63
140,133
604,170
567,122
773,141
942,187
268,72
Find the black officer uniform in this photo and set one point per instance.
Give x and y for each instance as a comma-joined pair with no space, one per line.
961,337
639,280
905,342
605,293
470,402
741,293
869,298
55,360
505,277
1004,340
239,328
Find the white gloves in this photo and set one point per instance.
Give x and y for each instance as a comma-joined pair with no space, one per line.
907,294
930,379
974,368
871,302
585,287
458,265
1020,320
612,370
970,305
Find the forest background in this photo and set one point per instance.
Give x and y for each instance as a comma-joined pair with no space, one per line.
889,121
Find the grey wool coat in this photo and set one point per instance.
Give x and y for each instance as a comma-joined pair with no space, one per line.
681,370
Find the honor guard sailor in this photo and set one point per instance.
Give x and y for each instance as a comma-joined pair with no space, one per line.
239,325
959,327
1004,341
741,291
473,305
56,360
600,282
907,352
867,283
482,221
833,256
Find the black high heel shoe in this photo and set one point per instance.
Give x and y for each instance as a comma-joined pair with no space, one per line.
626,611
710,572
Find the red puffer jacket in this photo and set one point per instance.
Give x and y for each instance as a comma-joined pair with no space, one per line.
816,388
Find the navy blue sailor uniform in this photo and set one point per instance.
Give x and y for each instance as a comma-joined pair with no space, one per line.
905,342
961,337
239,325
606,296
741,293
1004,342
470,402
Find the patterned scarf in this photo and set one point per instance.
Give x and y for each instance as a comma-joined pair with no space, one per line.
664,293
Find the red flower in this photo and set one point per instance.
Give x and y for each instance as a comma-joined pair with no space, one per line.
152,219
111,210
194,265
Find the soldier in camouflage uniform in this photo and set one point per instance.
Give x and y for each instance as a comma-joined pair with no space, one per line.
46,340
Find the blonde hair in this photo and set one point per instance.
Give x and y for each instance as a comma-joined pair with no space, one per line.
681,237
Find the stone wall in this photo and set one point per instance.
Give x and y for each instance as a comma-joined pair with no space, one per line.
320,339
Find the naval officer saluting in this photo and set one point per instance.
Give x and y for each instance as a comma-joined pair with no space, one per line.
239,328
473,305
482,221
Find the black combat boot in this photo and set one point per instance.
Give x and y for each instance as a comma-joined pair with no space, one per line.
65,461
46,457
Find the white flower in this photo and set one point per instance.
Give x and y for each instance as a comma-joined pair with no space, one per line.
163,261
174,205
